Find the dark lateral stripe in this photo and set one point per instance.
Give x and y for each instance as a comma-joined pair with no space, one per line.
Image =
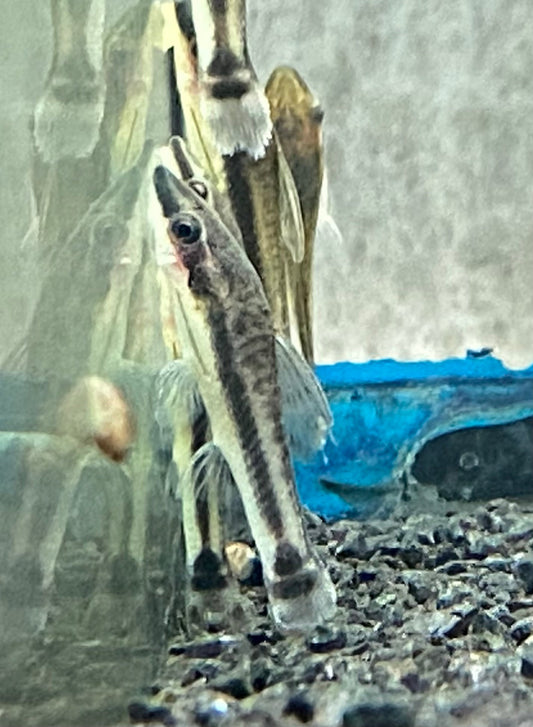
219,12
224,63
242,204
184,18
199,431
240,406
201,504
218,7
288,560
177,121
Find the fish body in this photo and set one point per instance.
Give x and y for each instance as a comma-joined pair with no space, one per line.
229,129
255,193
227,339
297,119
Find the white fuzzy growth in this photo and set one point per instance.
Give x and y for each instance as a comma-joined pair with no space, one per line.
63,131
239,124
72,130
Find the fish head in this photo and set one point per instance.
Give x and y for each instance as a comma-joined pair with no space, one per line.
205,253
293,105
192,173
189,169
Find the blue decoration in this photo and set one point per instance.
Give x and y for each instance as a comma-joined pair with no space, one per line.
385,411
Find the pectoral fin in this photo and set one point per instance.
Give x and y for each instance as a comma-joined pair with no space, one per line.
292,226
201,488
306,414
180,414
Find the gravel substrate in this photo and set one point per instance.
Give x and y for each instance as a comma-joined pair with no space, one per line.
434,627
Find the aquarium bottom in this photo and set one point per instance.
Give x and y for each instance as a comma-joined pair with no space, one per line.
433,628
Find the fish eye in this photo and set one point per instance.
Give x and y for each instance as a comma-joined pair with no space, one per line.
186,228
317,114
199,187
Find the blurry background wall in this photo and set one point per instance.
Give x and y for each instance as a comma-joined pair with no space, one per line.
429,147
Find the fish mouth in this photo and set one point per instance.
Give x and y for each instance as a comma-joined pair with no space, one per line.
286,84
174,194
302,600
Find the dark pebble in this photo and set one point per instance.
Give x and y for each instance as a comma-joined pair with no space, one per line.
526,668
414,683
391,550
254,718
153,689
418,587
522,629
466,611
208,716
200,650
425,539
524,570
300,707
484,621
445,555
355,616
375,588
204,671
190,676
255,578
452,626
429,661
519,604
353,548
485,520
260,673
235,687
445,629
257,637
456,534
440,534
503,615
520,531
497,564
348,601
365,576
411,556
378,715
480,548
208,650
324,640
140,712
453,568
456,593
312,672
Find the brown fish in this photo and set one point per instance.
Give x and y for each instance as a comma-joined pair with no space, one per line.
297,120
228,342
